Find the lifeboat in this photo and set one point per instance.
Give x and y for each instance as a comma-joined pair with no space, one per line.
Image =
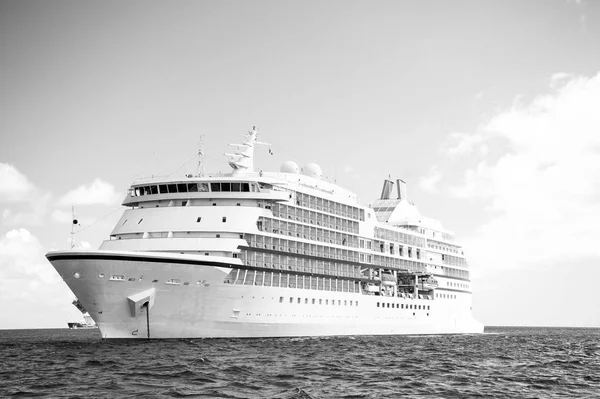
388,279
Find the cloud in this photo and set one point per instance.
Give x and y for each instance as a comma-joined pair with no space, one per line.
25,204
97,192
543,192
560,78
430,182
62,217
462,144
14,185
31,291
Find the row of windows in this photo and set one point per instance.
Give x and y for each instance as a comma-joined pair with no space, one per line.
316,218
173,188
299,264
401,306
277,279
451,272
454,260
444,247
457,285
121,277
332,207
306,232
445,296
320,301
295,247
398,237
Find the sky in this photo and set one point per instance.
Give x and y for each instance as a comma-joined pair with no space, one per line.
490,110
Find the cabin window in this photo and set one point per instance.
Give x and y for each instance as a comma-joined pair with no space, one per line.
199,219
163,189
245,187
184,203
224,219
218,235
280,299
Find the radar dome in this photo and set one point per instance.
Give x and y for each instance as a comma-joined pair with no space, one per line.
290,167
312,170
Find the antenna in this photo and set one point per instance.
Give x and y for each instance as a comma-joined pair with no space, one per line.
75,222
242,161
200,167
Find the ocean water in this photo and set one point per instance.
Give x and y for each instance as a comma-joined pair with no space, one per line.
505,362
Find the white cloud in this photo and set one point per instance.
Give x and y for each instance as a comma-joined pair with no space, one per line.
61,216
31,291
463,144
31,211
544,191
560,78
430,182
28,205
14,185
97,192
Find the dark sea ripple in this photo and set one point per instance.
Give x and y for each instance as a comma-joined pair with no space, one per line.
506,362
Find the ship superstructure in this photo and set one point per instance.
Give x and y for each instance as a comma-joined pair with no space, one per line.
271,254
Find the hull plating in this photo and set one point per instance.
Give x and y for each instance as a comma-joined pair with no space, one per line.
191,300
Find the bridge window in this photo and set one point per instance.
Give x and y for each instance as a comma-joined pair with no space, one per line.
192,187
172,188
225,186
215,187
163,189
182,187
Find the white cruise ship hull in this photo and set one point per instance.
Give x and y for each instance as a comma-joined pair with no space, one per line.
141,295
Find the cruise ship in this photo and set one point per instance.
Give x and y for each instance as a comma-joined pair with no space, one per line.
270,254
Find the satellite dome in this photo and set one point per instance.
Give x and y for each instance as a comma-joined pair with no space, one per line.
312,170
290,167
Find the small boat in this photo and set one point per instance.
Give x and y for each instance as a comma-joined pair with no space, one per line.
86,322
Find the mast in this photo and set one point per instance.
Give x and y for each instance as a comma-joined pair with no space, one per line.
200,167
75,222
242,161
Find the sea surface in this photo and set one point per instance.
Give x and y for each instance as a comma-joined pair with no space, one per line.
505,362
